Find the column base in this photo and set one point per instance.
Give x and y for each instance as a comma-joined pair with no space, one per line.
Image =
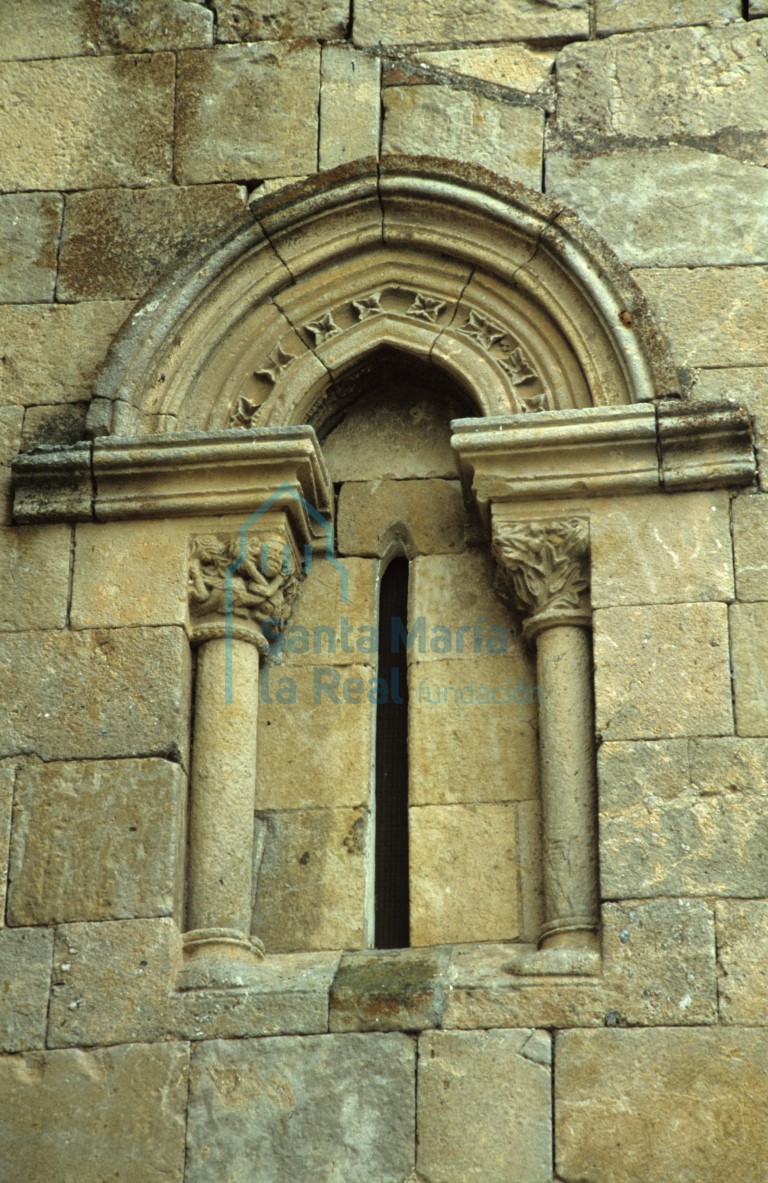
570,932
219,959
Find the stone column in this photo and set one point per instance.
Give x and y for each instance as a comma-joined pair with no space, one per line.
240,597
544,575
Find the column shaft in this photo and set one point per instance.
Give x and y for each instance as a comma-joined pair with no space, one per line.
568,789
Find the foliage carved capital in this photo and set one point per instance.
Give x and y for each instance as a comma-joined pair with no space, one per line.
543,571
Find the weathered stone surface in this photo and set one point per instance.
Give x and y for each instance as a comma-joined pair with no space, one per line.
29,227
288,1108
394,21
485,714
372,513
96,840
747,385
34,577
701,86
621,16
58,28
59,423
315,749
515,66
749,644
462,125
655,549
408,434
71,123
758,8
11,419
129,573
742,961
668,194
463,618
273,20
484,1109
96,694
684,819
662,671
712,316
7,779
659,963
117,242
750,546
25,980
53,354
310,891
112,982
389,990
333,618
349,105
456,894
247,111
650,1106
134,1097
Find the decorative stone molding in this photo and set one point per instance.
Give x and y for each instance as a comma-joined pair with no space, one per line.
514,297
543,571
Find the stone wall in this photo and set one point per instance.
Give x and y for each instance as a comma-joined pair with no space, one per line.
132,133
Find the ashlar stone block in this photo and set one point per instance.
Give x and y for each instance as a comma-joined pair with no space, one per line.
621,16
484,1108
518,67
398,21
460,124
685,85
247,111
349,105
463,873
34,577
52,354
750,546
11,419
742,961
60,28
96,840
287,1108
116,243
334,618
463,618
29,228
55,424
7,781
472,733
134,1097
614,1120
25,982
712,316
668,194
370,513
315,736
273,20
749,641
310,890
96,694
77,123
662,671
389,990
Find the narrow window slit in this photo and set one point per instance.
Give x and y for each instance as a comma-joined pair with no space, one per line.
391,843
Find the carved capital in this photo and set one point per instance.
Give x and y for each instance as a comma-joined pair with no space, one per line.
544,571
243,589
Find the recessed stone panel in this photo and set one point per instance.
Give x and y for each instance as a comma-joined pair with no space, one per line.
134,1097
485,1106
96,840
289,1108
463,861
77,123
310,891
651,1106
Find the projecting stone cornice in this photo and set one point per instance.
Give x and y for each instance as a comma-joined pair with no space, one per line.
602,451
180,475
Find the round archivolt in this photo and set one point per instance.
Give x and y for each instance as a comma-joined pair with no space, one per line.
512,298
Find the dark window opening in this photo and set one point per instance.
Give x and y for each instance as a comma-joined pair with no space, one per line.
392,902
